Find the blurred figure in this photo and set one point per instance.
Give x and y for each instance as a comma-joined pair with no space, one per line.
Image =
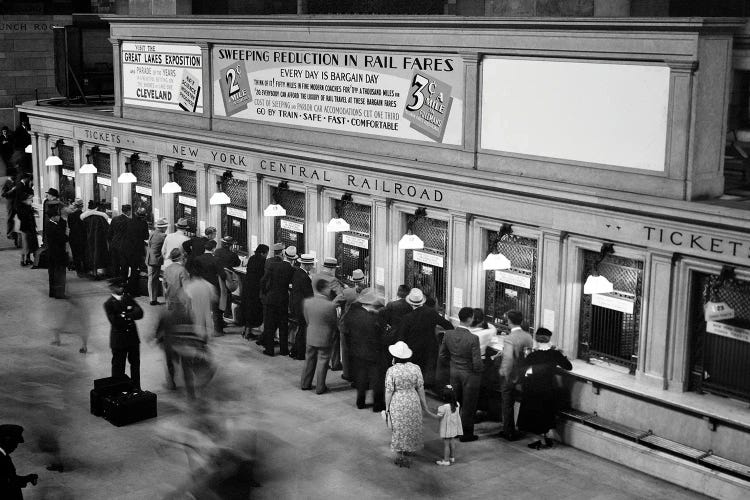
320,316
211,271
122,312
540,399
154,259
252,307
11,436
227,259
77,237
201,298
27,229
336,288
51,205
57,254
97,248
348,297
175,240
175,276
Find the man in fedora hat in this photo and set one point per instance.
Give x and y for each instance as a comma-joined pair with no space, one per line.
335,287
358,278
77,237
418,331
154,258
277,250
301,290
11,436
275,283
175,240
320,316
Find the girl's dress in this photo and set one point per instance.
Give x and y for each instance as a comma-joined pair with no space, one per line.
450,423
404,380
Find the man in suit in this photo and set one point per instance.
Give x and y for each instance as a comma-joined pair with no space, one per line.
336,288
175,277
210,270
57,254
278,255
514,350
122,312
250,302
198,243
275,282
301,290
227,259
395,310
50,205
11,436
460,352
97,249
116,235
320,316
77,237
133,250
175,240
154,259
418,331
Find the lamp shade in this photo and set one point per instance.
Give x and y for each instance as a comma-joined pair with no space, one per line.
274,210
171,187
53,161
219,198
87,168
496,261
29,149
597,284
127,178
410,241
337,225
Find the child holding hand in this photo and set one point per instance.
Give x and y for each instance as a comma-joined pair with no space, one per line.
450,425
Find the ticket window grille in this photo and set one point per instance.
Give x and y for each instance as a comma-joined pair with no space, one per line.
515,288
67,182
188,182
610,323
139,191
427,269
289,229
720,350
353,246
102,180
234,215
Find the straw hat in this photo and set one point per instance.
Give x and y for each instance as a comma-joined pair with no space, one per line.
182,223
161,223
358,276
400,350
330,262
416,297
291,253
307,258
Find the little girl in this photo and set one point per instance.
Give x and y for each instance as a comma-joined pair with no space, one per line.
450,425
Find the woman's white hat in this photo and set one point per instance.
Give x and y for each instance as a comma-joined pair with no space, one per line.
400,350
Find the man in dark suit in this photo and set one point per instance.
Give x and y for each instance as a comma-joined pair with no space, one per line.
275,282
57,254
227,259
133,250
122,312
320,316
197,245
460,353
278,255
252,307
301,290
211,270
77,238
11,436
418,331
115,237
395,310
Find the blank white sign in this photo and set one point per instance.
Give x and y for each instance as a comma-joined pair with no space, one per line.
612,114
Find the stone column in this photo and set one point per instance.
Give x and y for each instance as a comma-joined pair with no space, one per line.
456,294
117,66
314,225
654,337
380,254
548,268
254,213
471,102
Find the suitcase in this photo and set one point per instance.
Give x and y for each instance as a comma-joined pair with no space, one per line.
104,387
129,407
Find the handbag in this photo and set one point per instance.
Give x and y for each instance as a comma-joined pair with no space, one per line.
386,415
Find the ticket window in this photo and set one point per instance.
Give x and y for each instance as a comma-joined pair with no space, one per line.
66,174
427,269
234,215
185,203
102,180
290,229
141,194
514,288
352,248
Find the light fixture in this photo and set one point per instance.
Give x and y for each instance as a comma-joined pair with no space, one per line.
53,160
172,187
411,241
89,167
495,260
338,224
275,209
127,176
29,149
595,283
220,197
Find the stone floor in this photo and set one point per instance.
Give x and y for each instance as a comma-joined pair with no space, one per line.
302,445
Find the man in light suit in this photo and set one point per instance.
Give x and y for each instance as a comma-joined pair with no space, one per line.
154,259
460,352
514,349
275,283
320,316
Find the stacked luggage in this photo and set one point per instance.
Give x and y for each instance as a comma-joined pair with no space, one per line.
115,399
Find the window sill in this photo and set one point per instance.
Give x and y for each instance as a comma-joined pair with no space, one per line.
717,409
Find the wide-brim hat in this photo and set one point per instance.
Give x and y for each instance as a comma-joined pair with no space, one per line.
291,253
370,297
307,258
12,431
415,297
161,223
330,262
182,223
400,350
277,247
358,275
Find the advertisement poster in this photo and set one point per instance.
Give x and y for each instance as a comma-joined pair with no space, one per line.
403,96
163,76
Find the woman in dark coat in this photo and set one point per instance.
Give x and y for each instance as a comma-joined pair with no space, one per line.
97,249
250,303
27,229
539,402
